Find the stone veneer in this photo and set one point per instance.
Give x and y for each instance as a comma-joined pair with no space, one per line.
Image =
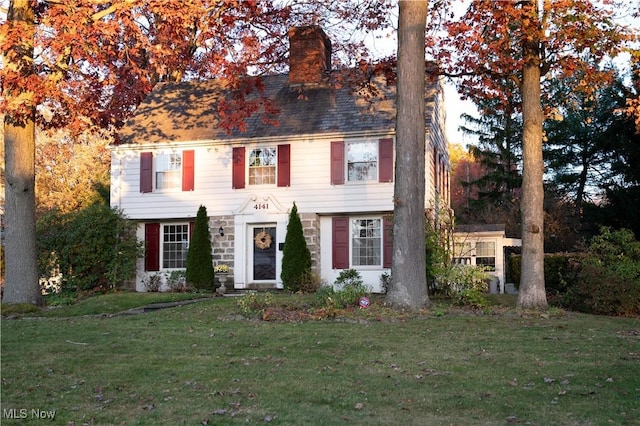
223,247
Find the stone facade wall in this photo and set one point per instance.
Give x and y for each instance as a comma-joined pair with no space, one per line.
311,230
222,246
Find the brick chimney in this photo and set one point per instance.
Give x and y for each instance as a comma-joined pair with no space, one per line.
309,55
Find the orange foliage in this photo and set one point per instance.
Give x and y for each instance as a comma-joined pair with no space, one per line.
484,46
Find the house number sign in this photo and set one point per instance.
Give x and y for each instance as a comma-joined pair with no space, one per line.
261,206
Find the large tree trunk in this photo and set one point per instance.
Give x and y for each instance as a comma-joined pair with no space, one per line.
532,293
409,288
21,284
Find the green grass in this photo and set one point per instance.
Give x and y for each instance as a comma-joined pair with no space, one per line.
204,364
110,303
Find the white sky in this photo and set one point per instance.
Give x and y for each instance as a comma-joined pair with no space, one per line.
454,106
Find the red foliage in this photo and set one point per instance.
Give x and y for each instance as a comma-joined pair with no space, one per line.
94,61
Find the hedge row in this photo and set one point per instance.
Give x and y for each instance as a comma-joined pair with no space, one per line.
605,279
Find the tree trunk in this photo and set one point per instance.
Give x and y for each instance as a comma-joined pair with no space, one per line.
532,293
409,287
21,284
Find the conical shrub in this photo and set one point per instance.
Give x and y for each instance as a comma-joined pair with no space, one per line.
200,272
296,257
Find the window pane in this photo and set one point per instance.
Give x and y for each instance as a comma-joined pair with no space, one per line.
362,161
486,248
486,253
366,242
169,171
262,166
175,244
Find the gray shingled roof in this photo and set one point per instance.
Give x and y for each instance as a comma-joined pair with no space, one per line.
188,111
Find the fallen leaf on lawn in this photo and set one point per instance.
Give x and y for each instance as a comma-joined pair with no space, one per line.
358,406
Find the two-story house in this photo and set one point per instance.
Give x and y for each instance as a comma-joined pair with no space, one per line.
331,152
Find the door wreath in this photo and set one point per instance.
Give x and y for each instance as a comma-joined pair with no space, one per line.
263,240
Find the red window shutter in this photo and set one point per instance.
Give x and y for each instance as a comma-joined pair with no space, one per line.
385,159
238,168
337,163
340,247
188,158
152,246
387,242
192,226
146,172
284,165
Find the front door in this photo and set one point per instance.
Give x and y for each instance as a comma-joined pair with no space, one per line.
262,268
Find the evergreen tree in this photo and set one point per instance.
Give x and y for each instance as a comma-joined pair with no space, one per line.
296,257
200,272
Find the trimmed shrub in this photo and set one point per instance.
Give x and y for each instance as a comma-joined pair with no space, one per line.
349,288
559,271
199,271
296,257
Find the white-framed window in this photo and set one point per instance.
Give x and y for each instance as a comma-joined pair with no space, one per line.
362,161
175,245
486,253
262,166
169,170
462,253
366,242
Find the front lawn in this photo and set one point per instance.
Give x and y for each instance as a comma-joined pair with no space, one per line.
203,363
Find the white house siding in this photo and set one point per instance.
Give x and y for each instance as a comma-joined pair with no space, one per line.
370,275
233,209
310,183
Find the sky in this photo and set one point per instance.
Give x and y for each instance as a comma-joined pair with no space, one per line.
386,45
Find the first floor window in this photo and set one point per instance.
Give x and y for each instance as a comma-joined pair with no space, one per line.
262,166
462,253
486,253
175,244
366,242
169,171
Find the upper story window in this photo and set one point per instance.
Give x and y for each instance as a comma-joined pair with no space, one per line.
169,171
362,161
162,171
262,166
